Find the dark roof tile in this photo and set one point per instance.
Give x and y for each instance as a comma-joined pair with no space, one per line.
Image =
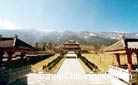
123,44
14,43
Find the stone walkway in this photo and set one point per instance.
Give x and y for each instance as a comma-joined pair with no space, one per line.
70,73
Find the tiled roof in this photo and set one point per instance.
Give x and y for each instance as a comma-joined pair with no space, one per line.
14,43
119,45
71,42
8,43
123,44
23,45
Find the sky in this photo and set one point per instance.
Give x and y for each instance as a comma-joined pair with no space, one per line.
74,15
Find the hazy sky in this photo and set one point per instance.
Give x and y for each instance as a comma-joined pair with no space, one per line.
76,15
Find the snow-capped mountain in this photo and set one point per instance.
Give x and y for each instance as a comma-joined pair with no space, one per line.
34,35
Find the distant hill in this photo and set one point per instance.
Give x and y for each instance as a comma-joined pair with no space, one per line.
84,37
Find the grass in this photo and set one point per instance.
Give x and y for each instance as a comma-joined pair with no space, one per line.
38,66
101,60
104,60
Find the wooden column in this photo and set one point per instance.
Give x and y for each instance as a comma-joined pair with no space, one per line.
10,56
22,58
137,57
129,60
1,57
118,60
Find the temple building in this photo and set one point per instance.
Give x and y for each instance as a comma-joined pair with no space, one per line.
71,45
126,73
13,62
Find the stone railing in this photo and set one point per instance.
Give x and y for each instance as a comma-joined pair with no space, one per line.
124,74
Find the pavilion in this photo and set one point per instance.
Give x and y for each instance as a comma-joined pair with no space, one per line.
13,62
71,45
129,73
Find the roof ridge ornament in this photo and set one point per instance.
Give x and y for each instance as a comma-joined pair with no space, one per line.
122,37
15,38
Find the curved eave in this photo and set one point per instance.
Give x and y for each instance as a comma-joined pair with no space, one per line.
71,47
122,51
116,51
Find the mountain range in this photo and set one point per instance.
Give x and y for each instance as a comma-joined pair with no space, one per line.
32,36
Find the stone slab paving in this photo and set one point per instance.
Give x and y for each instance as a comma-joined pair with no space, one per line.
71,65
70,73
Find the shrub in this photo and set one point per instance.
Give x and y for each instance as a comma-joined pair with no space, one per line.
51,64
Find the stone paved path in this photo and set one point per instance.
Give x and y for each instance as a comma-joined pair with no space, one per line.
70,73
